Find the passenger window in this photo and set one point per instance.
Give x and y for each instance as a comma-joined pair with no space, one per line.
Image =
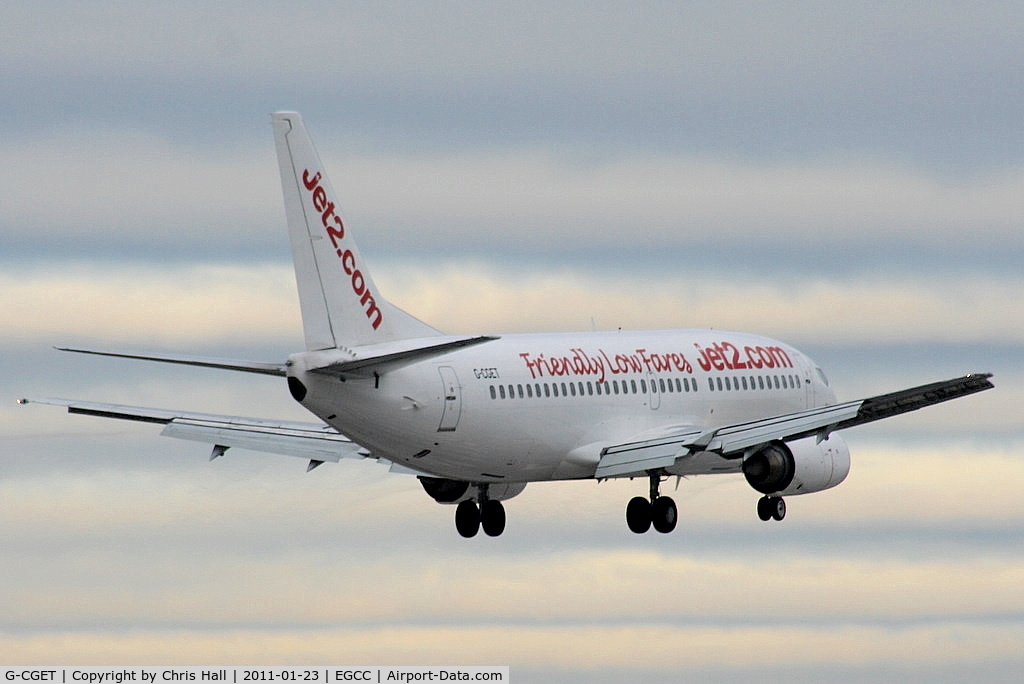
547,390
494,394
728,384
565,392
572,388
529,391
590,388
632,384
760,382
744,379
501,390
520,391
661,385
718,382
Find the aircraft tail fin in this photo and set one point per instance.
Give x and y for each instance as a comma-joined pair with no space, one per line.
340,304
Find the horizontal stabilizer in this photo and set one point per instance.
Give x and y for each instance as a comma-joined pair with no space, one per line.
380,358
188,360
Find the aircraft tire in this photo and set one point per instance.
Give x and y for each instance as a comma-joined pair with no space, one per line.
467,518
664,514
638,514
492,518
778,508
764,511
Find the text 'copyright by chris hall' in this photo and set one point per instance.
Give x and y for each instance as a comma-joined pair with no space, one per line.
403,674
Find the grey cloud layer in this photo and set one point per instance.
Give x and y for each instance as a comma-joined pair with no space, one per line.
938,85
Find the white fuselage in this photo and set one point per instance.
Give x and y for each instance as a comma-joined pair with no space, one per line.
524,408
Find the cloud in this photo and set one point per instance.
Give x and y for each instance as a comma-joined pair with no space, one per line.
83,194
552,648
76,193
114,546
173,307
825,311
935,86
178,305
831,176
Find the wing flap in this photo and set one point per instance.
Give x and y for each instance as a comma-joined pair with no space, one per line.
820,422
314,441
734,438
638,457
731,441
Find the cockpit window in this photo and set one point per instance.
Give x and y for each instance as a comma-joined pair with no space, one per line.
821,374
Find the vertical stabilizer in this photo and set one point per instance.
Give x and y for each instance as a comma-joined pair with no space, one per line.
340,304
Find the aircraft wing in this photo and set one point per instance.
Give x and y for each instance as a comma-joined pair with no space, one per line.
731,441
314,441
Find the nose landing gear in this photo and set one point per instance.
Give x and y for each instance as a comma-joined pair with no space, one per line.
659,511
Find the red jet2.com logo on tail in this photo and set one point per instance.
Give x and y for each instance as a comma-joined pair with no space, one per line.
336,231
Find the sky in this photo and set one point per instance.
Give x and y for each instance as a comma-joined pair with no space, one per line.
847,178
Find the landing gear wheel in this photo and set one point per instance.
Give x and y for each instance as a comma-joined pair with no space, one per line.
492,518
778,507
664,514
638,514
467,518
769,507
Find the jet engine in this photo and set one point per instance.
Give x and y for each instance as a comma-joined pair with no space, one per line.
443,490
799,467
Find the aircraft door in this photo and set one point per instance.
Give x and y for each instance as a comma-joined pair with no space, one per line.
451,396
807,379
653,392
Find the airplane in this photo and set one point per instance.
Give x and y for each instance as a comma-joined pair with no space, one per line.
477,417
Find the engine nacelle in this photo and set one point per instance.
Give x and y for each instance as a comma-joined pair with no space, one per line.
447,491
799,467
442,490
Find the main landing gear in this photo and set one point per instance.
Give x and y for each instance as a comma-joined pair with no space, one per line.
659,511
471,515
771,507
